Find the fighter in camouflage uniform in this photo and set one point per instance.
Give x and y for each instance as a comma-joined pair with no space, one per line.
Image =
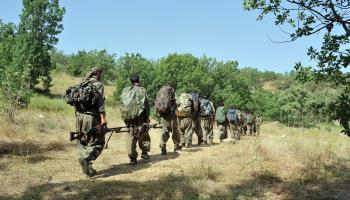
221,121
258,122
165,108
196,117
207,111
138,133
90,150
184,113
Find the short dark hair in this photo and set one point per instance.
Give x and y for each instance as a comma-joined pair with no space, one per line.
135,78
168,82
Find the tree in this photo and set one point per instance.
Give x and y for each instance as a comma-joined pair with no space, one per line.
59,60
130,64
82,62
230,85
14,73
40,23
266,104
309,17
295,105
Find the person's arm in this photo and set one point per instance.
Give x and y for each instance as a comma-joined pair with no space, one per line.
101,103
147,107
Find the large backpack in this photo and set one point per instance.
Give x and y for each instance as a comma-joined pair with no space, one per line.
232,115
220,115
165,100
185,105
83,96
195,98
249,119
132,103
206,108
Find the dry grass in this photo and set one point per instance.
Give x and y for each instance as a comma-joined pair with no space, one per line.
269,86
38,162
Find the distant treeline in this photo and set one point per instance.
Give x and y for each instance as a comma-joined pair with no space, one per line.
274,95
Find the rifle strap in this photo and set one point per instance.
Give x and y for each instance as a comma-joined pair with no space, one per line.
108,139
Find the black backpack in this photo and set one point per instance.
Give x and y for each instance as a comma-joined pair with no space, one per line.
83,96
165,100
195,98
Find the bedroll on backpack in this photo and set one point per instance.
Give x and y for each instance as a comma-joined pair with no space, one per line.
195,98
220,115
249,119
205,108
232,115
165,100
83,96
185,106
132,103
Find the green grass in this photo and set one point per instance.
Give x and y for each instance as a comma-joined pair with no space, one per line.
38,162
47,104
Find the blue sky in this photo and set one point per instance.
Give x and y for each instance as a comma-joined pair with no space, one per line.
155,28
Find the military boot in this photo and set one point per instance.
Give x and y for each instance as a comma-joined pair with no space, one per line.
144,155
187,145
92,171
177,147
133,161
163,150
84,165
211,141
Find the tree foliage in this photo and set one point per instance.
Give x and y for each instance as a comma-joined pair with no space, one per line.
242,88
24,52
14,73
79,64
40,23
308,17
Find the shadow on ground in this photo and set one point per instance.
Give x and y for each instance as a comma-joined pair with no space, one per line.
126,168
332,183
33,151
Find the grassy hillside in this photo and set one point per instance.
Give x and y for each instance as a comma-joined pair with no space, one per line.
38,162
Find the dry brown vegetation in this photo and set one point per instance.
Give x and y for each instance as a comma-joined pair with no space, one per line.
38,162
269,86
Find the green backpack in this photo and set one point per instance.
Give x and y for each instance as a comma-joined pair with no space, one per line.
184,108
249,119
132,103
220,115
83,96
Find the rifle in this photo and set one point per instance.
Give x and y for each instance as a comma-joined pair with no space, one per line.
147,126
103,129
94,132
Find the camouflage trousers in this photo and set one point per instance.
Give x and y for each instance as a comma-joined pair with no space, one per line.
186,130
169,124
234,130
197,129
140,135
250,129
222,131
258,129
207,129
93,148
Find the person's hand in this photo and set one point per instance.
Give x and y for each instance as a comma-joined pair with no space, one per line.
103,121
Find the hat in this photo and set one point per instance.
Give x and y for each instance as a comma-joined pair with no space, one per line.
92,72
96,69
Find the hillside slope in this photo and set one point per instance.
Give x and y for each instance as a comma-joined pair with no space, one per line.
38,162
